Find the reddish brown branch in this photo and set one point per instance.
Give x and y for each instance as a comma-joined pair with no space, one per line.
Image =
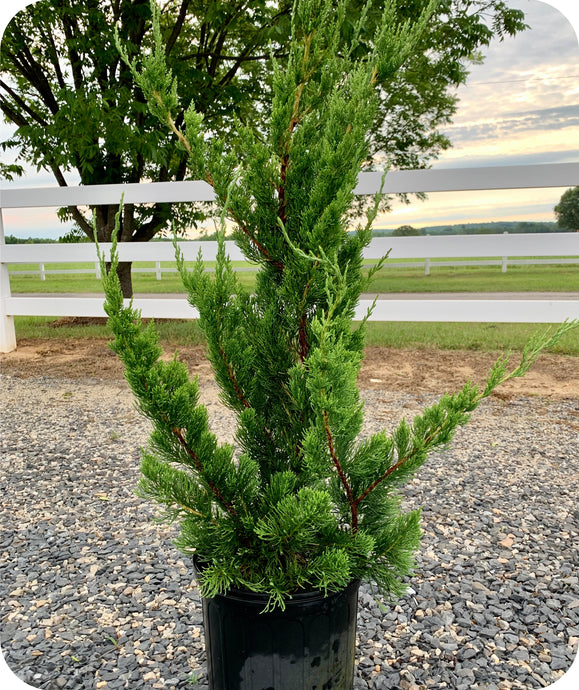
238,390
257,243
391,469
343,479
302,330
232,378
246,231
199,465
285,159
281,189
303,338
375,483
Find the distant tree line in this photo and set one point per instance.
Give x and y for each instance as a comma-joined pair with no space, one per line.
494,228
513,227
11,239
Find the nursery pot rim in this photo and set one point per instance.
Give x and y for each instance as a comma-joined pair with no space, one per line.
299,598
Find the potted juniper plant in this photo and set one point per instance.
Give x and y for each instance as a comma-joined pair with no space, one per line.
283,527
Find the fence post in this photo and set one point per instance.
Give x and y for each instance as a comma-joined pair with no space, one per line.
7,332
426,267
42,271
97,270
158,269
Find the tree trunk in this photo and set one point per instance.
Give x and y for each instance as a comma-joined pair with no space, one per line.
105,223
125,277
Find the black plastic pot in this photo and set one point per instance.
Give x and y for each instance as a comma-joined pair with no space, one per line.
311,644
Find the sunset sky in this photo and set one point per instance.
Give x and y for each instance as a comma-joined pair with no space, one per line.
520,106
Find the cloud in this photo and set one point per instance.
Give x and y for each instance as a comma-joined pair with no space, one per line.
522,104
550,40
516,122
549,146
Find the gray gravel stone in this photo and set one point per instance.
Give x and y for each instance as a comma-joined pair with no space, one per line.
93,589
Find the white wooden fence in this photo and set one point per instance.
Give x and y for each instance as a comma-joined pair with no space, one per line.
420,308
158,270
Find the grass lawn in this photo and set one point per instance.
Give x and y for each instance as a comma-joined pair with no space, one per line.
445,336
541,278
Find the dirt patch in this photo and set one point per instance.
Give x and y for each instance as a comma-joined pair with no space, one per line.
416,370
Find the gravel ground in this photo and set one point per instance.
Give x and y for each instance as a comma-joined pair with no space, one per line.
94,595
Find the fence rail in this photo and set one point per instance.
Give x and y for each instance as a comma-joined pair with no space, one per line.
158,270
425,249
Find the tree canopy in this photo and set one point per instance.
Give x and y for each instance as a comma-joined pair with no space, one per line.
567,210
77,108
406,231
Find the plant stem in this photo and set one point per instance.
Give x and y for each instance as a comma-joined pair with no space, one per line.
199,465
343,479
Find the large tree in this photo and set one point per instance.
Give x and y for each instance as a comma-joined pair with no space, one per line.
78,109
567,210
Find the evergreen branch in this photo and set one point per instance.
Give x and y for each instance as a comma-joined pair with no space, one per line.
531,352
178,133
368,314
370,218
236,387
228,209
156,79
190,510
232,377
333,303
353,503
221,261
221,257
439,434
302,328
303,337
293,123
114,306
262,250
199,465
454,408
378,266
385,476
321,258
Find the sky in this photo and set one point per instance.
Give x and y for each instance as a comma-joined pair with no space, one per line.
521,106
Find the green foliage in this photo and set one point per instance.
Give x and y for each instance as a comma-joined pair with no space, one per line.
74,235
406,231
12,239
567,210
306,504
